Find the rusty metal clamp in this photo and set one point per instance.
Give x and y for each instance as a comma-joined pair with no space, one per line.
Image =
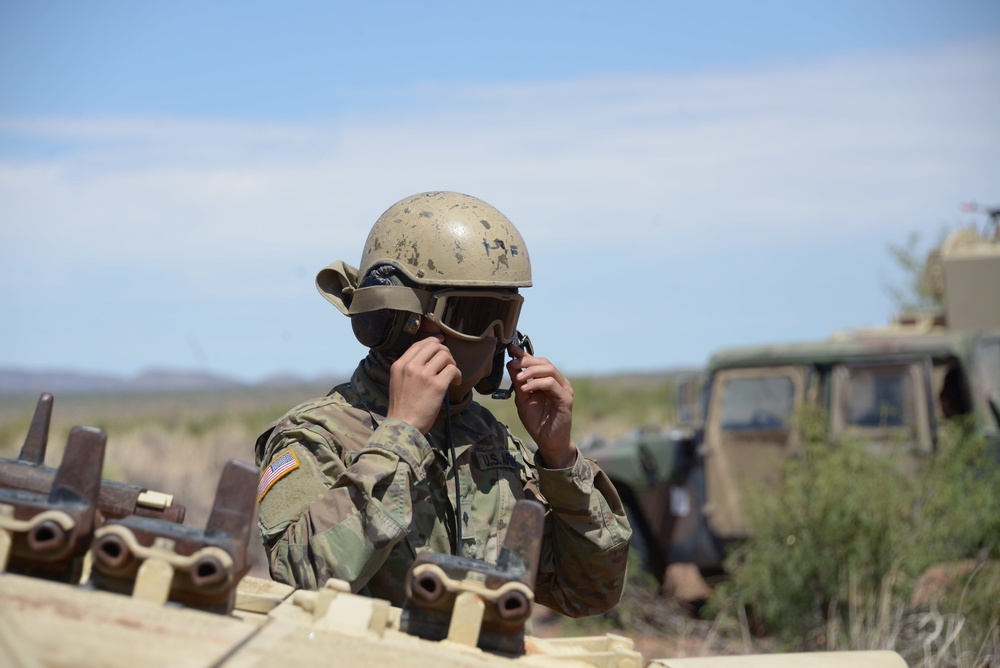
197,568
481,604
47,533
116,499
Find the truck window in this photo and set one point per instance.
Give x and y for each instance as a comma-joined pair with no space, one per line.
880,397
888,405
764,402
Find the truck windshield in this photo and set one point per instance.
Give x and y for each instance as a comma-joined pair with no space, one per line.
758,403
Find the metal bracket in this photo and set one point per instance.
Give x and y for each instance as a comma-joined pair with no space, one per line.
204,565
115,499
473,602
47,532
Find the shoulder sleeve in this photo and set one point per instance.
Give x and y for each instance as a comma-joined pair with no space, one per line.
346,504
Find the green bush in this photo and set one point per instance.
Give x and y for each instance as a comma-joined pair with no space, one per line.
958,502
842,540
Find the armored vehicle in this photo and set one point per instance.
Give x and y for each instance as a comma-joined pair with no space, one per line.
890,387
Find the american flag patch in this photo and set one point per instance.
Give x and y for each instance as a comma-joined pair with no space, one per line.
279,468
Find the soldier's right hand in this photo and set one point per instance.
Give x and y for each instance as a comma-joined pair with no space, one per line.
418,381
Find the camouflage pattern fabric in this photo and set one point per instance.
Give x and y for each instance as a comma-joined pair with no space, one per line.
370,493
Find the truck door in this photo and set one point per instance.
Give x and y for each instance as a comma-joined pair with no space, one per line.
747,435
886,405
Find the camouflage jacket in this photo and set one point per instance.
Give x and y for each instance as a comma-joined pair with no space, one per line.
348,493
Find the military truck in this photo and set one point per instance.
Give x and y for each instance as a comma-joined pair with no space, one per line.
891,387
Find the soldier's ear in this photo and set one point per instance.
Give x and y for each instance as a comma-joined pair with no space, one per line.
389,330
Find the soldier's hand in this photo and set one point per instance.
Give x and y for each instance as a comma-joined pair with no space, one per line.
544,400
418,381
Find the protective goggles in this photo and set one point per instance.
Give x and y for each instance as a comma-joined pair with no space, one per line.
473,315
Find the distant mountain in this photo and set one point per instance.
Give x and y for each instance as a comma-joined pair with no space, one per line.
290,380
19,381
163,379
24,382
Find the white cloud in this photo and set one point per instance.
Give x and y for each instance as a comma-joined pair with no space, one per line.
859,149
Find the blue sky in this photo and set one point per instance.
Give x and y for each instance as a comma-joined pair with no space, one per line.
686,175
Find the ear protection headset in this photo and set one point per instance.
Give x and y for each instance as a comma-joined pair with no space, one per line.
385,330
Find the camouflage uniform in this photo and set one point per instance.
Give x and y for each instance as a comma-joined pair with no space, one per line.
369,493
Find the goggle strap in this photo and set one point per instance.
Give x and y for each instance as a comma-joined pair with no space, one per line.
395,297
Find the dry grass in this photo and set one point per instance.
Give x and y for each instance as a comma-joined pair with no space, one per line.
925,636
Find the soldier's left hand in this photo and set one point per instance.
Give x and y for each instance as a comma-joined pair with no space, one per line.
544,400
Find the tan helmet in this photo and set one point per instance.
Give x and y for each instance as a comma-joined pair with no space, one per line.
433,240
448,239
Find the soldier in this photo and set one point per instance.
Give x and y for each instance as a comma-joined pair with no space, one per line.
401,460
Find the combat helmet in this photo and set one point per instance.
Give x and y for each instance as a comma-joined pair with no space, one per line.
446,256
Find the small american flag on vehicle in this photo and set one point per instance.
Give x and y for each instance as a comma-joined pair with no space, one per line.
280,467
